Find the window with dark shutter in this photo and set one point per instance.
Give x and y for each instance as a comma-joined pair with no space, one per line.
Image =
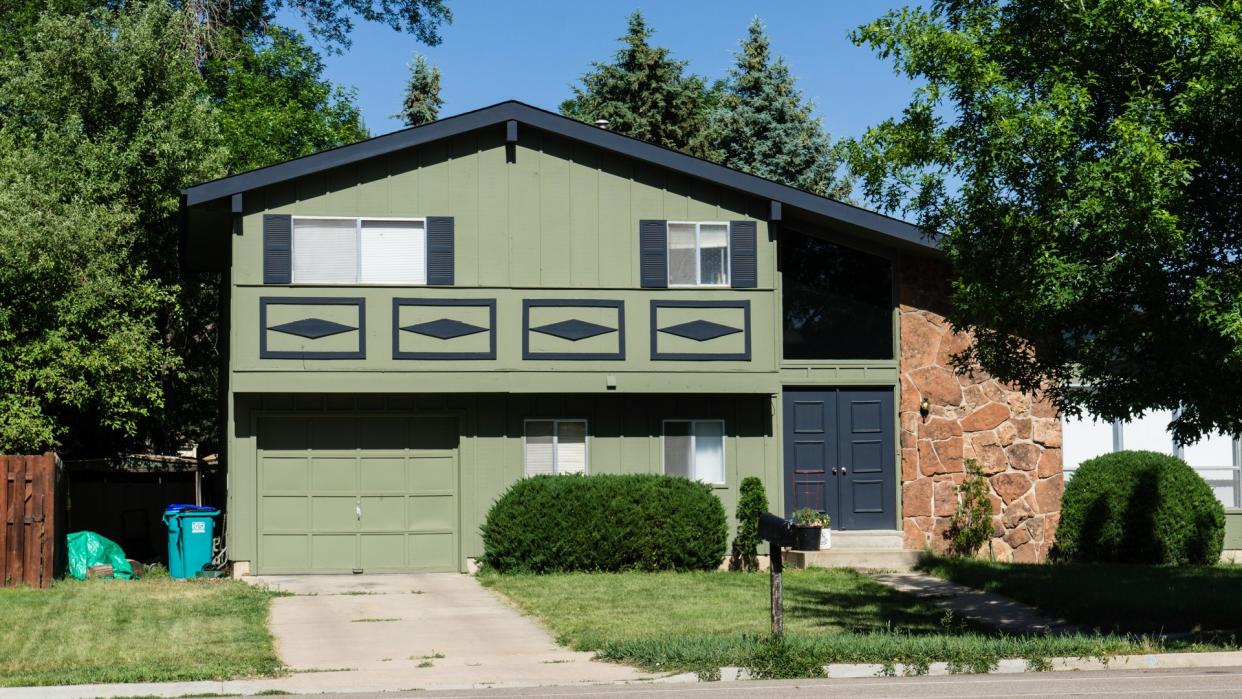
653,254
277,249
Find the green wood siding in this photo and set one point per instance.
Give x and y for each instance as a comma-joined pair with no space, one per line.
624,436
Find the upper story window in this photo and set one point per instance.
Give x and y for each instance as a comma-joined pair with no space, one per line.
698,253
837,302
556,446
359,251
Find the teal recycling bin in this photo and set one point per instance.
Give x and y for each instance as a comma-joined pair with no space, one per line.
190,532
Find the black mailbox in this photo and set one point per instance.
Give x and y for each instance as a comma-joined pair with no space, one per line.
776,530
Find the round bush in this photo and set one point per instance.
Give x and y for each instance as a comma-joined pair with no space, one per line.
605,523
1139,507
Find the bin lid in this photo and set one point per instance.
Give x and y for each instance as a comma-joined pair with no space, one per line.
190,509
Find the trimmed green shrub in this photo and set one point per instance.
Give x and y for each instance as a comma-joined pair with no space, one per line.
1139,507
752,501
605,523
971,526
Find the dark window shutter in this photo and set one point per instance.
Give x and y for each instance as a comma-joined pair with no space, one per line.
277,249
440,250
653,254
743,258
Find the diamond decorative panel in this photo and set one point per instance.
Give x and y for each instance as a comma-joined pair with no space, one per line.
573,330
444,329
700,330
312,328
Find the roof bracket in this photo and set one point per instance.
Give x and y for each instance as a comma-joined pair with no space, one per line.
511,141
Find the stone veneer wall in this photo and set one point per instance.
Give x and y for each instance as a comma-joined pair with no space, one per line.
1017,440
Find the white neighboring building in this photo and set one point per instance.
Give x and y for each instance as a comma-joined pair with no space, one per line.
1217,458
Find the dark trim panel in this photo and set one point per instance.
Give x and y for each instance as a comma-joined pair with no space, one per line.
528,304
496,115
360,303
656,355
489,304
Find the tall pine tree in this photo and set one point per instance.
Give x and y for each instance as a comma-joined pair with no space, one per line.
764,125
646,94
422,94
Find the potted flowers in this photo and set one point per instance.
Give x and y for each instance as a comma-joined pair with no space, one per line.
809,524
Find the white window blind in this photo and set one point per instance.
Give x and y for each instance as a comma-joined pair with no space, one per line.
359,251
695,449
698,254
325,251
556,446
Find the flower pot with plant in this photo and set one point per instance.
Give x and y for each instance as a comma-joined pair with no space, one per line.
809,524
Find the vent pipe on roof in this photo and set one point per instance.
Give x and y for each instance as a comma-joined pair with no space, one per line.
602,123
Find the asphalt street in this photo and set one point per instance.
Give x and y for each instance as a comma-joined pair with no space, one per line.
1222,682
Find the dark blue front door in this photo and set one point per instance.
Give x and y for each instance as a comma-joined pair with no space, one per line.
839,455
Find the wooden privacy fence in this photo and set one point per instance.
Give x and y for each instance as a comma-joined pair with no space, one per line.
28,503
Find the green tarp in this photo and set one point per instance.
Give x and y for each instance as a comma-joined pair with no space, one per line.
88,549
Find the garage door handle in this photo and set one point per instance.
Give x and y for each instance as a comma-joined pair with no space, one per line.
358,510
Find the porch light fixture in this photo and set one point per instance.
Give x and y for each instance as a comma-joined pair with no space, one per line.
924,407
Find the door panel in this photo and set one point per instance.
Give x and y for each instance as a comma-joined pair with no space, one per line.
839,455
337,495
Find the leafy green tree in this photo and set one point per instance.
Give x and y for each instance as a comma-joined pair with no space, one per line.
330,21
422,94
1081,162
646,94
752,501
104,122
273,103
764,125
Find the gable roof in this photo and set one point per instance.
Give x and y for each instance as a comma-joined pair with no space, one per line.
789,197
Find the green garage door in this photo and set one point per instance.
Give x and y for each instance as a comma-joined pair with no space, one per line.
373,494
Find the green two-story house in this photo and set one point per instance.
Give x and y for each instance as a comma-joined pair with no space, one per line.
416,321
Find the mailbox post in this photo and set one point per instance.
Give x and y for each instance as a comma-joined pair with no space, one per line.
778,532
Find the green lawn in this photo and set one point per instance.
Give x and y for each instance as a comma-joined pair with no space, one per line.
148,630
1123,598
697,621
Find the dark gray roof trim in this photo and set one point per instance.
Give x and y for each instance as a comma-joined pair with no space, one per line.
569,128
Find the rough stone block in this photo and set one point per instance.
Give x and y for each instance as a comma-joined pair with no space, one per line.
985,418
1011,486
937,384
1023,456
1048,492
916,498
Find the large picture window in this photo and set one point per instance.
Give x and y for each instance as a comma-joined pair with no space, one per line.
359,251
695,449
837,302
556,446
698,254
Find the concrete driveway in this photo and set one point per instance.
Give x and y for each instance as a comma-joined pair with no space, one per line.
433,631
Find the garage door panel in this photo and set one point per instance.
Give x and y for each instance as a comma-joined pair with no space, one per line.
331,552
383,552
432,512
360,492
287,474
383,513
382,474
332,513
432,552
280,552
286,513
334,474
437,474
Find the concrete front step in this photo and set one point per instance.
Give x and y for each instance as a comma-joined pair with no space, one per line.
871,539
866,559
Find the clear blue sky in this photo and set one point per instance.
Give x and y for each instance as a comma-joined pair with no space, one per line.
535,50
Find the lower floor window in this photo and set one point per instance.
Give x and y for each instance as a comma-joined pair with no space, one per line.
695,449
556,446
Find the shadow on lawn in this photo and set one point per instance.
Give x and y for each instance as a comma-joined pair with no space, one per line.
1154,599
867,606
